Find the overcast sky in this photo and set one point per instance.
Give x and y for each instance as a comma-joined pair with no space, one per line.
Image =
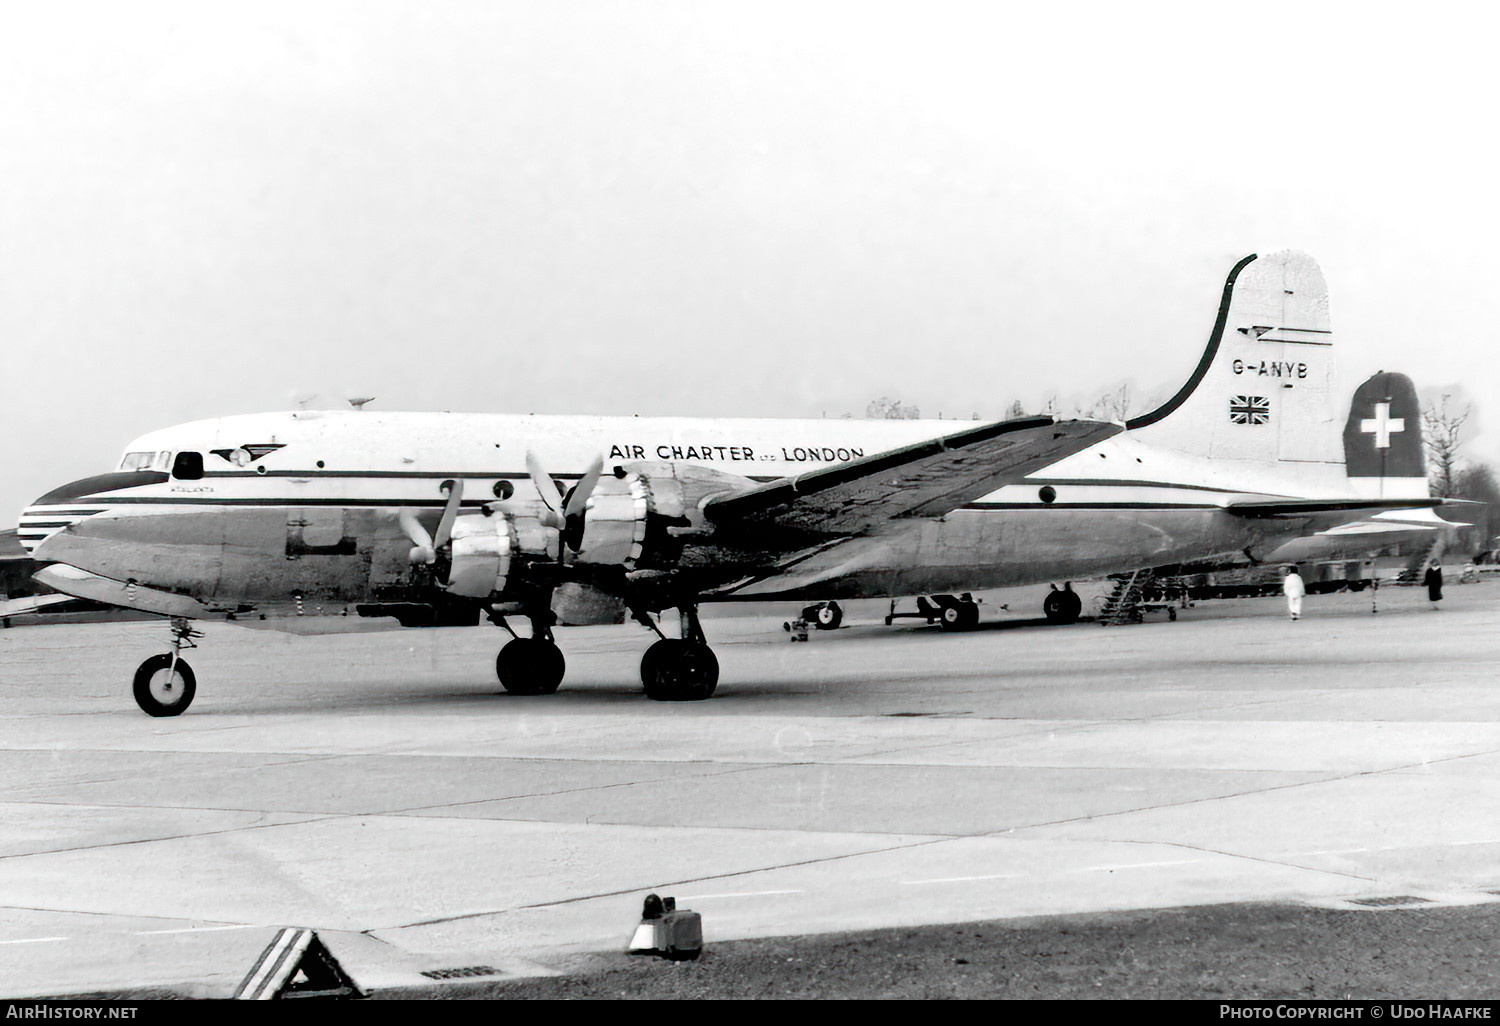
699,208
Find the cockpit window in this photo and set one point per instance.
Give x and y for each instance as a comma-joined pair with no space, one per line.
188,466
138,461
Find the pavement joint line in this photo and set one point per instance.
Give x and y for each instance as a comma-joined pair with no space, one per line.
110,915
312,818
127,778
581,790
962,879
1268,860
740,894
1335,779
196,929
821,860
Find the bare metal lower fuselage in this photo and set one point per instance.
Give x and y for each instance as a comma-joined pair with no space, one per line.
332,559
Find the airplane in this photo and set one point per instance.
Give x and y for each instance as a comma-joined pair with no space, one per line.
310,520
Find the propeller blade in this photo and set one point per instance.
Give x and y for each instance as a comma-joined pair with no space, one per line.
545,486
578,498
424,551
455,490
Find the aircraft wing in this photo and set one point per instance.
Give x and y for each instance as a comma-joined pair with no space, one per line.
928,479
32,604
1265,506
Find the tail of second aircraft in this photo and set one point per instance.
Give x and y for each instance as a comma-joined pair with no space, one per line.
1383,439
1266,388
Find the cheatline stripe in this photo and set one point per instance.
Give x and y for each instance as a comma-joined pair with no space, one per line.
394,503
47,523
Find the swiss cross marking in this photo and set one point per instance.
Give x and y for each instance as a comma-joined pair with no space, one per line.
1382,425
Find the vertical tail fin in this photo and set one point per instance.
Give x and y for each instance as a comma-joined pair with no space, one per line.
1383,439
1265,389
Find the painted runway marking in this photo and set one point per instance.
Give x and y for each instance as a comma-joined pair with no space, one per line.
191,929
1136,865
960,879
34,940
737,894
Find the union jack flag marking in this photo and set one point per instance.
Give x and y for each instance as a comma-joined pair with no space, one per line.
1249,409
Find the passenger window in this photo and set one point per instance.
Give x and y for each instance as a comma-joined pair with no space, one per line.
188,466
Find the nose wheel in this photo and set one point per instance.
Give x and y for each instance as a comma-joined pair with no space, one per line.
164,689
165,684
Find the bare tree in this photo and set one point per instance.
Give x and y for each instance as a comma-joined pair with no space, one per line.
1115,405
1442,431
890,409
1016,410
1477,482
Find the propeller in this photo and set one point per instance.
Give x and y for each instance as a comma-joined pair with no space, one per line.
425,545
567,513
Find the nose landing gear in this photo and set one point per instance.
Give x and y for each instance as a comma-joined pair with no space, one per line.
165,684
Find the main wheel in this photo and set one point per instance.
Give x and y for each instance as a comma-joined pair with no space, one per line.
161,690
828,616
1062,606
530,666
679,671
959,616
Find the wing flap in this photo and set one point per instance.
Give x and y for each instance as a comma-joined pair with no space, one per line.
1263,507
927,479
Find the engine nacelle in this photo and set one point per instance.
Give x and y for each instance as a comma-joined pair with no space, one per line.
483,548
616,526
626,523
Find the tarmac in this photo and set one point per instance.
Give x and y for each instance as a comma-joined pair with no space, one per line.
378,789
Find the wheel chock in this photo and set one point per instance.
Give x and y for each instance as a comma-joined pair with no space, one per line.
296,965
667,932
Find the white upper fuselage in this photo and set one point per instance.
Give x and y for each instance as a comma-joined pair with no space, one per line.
1120,503
385,458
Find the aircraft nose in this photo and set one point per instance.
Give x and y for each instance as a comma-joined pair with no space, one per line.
43,520
75,502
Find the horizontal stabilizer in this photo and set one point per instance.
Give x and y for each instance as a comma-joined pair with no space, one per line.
927,479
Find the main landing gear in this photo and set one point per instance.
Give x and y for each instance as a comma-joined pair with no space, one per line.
1062,606
825,616
165,684
681,669
534,665
951,612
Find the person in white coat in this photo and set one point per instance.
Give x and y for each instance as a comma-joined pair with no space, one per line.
1294,589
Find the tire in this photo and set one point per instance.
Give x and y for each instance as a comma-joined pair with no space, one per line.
679,671
653,655
828,616
1062,607
159,696
530,666
968,615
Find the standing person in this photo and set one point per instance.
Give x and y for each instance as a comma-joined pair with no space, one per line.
1294,589
1434,581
